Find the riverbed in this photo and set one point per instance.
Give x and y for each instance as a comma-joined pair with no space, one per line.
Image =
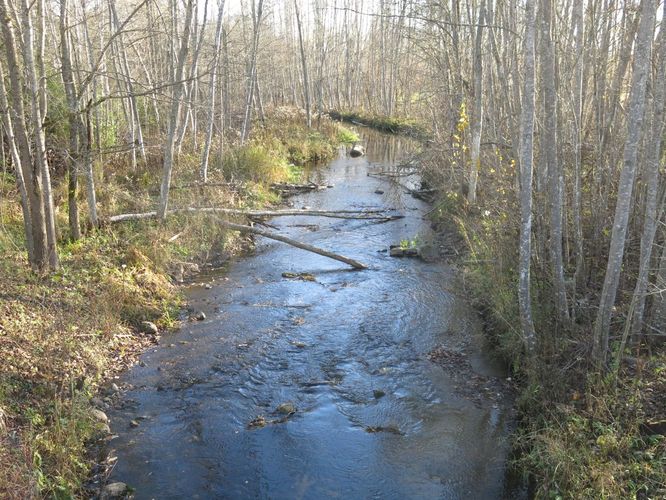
356,384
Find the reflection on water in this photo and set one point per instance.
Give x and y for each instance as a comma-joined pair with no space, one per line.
374,418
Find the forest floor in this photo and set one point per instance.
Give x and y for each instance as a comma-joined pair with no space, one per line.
65,336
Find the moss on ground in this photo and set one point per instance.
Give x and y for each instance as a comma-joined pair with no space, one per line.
66,334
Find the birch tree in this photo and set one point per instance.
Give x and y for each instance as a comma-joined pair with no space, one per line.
177,92
477,114
635,120
652,162
552,164
526,169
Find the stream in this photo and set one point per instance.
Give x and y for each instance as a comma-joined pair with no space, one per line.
371,384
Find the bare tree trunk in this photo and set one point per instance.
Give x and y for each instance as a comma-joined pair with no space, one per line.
211,93
38,107
651,181
31,173
526,167
73,119
554,169
635,120
477,114
306,83
579,24
303,246
252,73
133,114
16,161
175,112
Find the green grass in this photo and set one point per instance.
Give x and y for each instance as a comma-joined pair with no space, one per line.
348,136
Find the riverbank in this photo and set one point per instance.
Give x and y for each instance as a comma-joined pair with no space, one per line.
66,336
579,436
390,124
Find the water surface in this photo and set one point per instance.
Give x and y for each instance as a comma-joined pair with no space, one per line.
375,417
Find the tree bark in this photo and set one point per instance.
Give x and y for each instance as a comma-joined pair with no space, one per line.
477,113
635,120
38,108
526,168
31,173
304,64
212,93
175,112
553,167
73,120
651,181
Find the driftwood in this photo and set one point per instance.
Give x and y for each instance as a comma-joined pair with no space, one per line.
288,189
336,214
303,246
392,174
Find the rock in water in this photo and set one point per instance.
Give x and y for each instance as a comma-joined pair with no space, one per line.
357,151
99,415
286,408
113,490
149,327
397,251
199,316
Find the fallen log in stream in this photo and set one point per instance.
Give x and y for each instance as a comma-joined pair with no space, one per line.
379,215
303,246
289,189
342,214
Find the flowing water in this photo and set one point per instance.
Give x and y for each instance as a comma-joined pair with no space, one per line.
374,417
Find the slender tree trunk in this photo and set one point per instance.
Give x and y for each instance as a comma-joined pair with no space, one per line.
526,167
245,131
31,174
175,112
477,114
651,181
553,167
304,63
635,120
16,162
38,107
73,120
211,93
579,24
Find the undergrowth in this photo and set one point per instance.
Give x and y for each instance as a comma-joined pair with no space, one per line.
66,334
578,436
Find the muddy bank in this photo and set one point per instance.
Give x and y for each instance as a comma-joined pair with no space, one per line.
348,383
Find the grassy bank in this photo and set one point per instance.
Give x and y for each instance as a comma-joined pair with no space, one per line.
580,436
65,336
390,124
